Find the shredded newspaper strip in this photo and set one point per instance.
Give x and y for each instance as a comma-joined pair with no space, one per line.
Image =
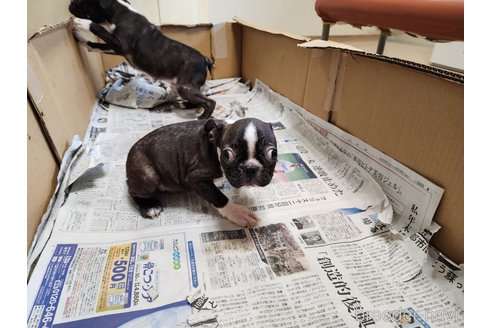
343,238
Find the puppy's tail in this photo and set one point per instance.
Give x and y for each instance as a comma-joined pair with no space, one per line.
209,63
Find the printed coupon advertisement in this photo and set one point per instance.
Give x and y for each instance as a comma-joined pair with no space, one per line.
93,283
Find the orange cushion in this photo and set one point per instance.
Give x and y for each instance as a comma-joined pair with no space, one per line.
433,19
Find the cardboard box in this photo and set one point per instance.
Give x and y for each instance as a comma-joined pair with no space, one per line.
411,112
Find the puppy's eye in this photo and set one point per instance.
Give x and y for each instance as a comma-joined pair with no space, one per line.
227,155
272,154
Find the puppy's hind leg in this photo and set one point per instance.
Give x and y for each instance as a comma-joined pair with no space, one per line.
143,183
194,96
149,207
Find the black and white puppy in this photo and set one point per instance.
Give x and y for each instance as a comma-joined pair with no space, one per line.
144,46
188,156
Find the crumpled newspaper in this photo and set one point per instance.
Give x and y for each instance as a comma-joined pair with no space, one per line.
131,88
203,318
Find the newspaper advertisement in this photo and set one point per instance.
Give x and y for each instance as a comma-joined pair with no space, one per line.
98,283
325,252
331,269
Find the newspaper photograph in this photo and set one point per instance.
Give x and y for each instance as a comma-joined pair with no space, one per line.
337,245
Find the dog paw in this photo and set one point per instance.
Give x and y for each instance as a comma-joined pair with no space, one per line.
81,24
153,212
240,215
80,38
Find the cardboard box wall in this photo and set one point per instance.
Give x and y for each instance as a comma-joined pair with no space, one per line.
410,112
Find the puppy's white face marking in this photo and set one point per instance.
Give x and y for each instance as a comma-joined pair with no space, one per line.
251,137
127,5
82,24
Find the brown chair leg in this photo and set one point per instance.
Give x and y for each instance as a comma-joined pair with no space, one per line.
382,42
325,34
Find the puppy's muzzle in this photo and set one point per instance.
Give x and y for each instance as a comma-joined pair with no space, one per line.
254,175
251,171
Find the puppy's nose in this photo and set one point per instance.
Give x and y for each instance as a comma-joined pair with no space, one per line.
250,170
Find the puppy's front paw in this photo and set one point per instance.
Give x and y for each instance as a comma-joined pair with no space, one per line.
81,24
80,38
240,215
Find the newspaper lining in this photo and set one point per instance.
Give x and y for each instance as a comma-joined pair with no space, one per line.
325,254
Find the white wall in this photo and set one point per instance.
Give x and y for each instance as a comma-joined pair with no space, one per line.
290,16
45,12
182,11
449,55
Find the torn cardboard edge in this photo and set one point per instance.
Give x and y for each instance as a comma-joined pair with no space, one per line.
321,44
51,99
271,31
187,25
50,28
64,23
442,73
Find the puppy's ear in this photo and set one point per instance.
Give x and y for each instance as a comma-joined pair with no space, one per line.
215,129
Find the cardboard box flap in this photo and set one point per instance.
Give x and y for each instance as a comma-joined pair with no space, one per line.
196,36
271,31
50,28
322,80
226,50
62,91
209,25
415,118
275,59
42,169
92,60
322,44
